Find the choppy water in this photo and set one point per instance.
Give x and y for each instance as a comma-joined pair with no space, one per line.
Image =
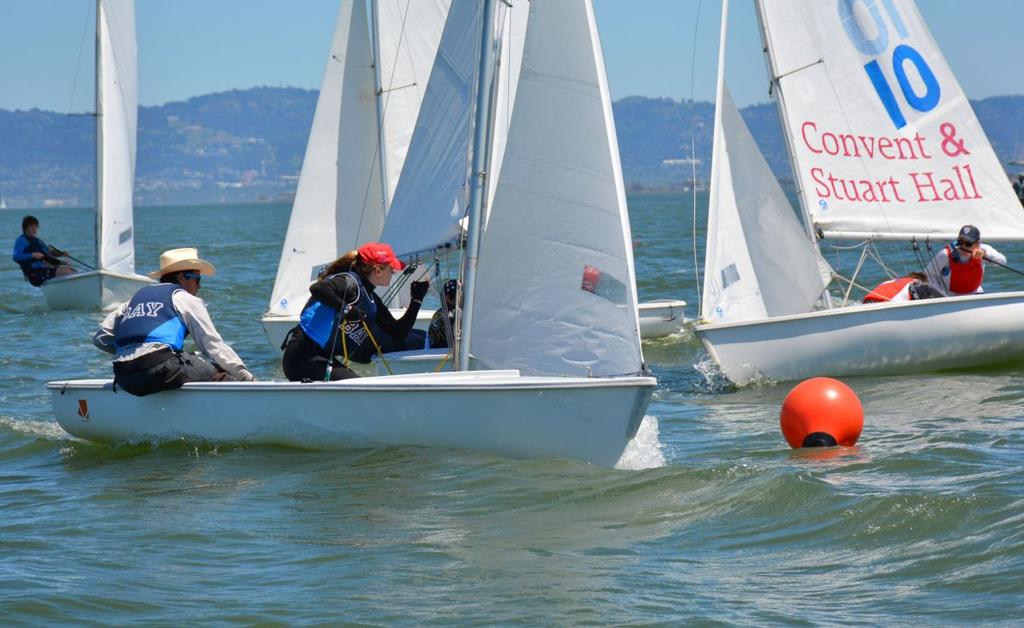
717,521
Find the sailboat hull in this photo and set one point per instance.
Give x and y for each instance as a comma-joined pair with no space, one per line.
883,339
658,318
499,411
93,290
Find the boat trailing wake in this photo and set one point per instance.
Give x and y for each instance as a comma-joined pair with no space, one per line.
644,450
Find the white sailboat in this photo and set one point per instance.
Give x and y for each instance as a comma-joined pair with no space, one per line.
343,197
376,74
114,280
582,393
885,146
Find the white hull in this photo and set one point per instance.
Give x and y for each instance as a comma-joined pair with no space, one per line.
657,318
884,339
93,290
499,411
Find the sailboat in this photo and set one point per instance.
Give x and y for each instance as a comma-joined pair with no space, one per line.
377,70
884,147
370,100
114,280
563,373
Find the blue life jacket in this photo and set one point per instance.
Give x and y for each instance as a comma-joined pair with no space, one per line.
151,317
317,319
25,246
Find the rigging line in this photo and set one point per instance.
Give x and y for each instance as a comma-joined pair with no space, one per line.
386,94
693,165
78,64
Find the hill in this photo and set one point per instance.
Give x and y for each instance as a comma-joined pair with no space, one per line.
247,145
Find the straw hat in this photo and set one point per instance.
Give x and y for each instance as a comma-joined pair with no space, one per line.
173,260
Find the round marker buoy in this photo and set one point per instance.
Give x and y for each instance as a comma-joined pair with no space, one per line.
821,412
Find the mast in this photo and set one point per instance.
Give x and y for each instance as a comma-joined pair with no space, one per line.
379,92
478,183
717,133
780,105
99,132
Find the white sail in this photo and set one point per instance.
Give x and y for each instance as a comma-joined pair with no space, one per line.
883,139
431,197
117,107
340,182
409,32
759,261
512,23
555,290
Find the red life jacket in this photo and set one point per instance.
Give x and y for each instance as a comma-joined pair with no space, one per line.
965,277
887,290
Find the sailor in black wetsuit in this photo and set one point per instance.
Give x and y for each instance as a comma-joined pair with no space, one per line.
344,310
37,259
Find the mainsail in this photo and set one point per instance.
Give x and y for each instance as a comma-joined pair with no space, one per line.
117,110
555,290
884,143
343,196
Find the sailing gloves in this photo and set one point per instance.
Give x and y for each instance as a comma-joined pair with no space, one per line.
418,289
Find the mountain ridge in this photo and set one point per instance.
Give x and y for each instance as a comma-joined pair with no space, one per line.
247,145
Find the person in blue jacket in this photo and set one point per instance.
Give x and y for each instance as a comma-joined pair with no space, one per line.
37,259
146,335
344,317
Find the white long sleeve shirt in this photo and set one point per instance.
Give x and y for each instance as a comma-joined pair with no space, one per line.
938,269
193,311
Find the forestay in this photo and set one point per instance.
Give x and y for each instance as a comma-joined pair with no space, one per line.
431,195
884,141
759,261
117,106
555,290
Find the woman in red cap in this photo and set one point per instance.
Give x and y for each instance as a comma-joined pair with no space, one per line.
344,310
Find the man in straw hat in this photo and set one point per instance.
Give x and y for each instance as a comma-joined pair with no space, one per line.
146,335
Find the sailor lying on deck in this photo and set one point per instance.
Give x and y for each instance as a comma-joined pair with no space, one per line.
959,268
910,288
146,334
344,318
37,259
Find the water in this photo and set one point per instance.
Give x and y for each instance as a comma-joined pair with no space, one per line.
716,521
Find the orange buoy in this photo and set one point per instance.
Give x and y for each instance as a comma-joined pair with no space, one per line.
821,412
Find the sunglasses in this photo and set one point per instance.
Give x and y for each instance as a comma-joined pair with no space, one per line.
964,245
192,275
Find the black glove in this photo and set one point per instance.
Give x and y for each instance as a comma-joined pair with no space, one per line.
354,314
418,289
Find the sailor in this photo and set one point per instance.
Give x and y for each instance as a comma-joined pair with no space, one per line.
959,268
910,288
147,334
37,259
437,333
1018,186
344,319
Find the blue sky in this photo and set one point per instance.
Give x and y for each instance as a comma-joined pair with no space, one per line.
192,47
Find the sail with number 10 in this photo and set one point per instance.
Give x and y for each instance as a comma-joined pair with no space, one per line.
884,146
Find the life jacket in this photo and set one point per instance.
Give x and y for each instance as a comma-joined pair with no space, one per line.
317,320
35,245
888,290
964,277
151,317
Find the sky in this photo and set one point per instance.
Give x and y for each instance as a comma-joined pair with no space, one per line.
193,47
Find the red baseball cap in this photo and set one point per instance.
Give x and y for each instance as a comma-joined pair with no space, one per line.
380,253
